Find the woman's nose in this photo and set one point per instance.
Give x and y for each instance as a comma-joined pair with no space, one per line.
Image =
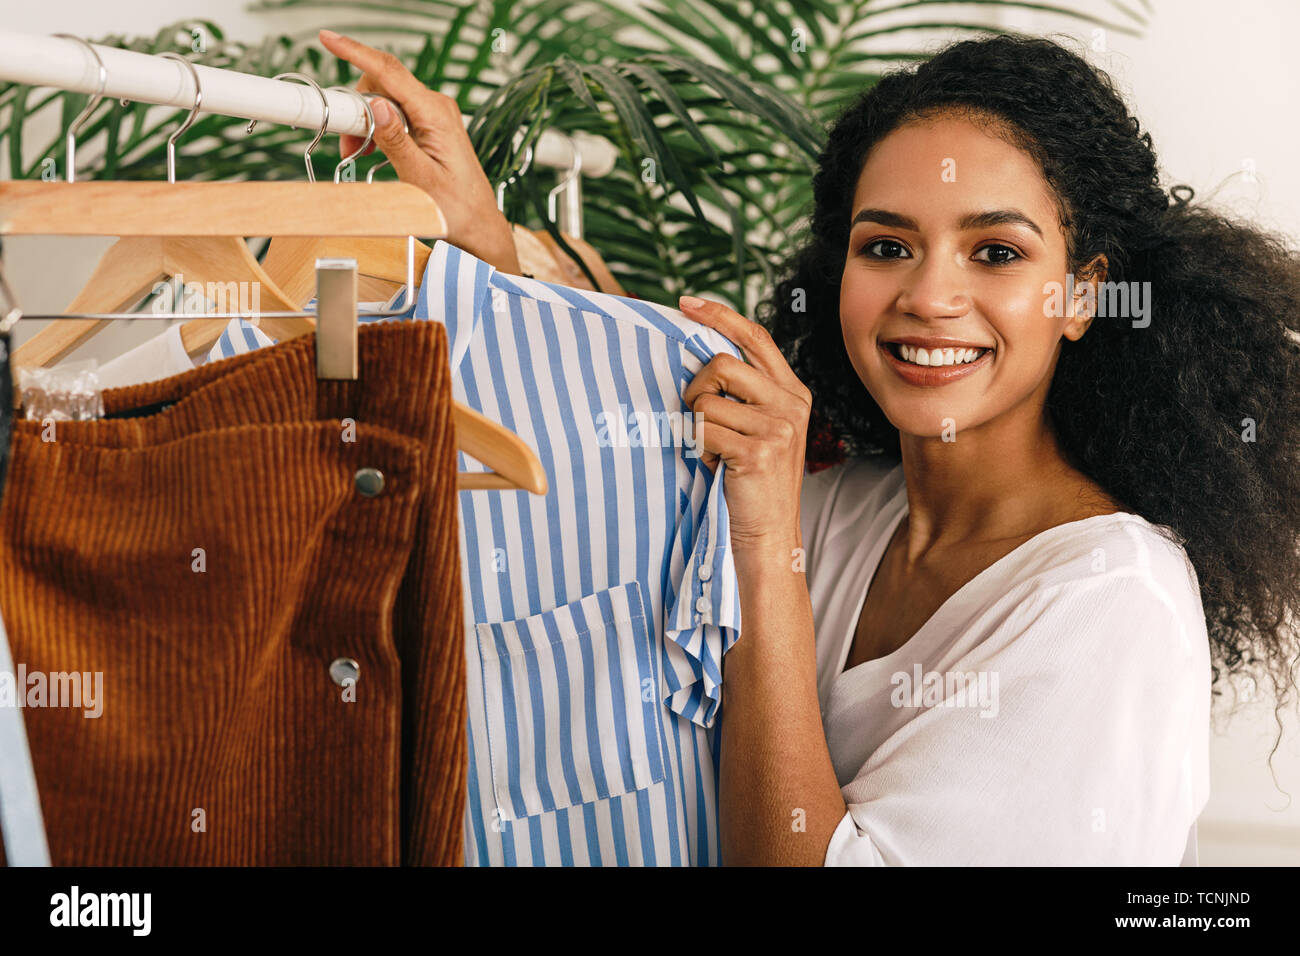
936,286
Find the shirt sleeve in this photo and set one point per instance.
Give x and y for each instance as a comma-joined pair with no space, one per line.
1076,748
702,608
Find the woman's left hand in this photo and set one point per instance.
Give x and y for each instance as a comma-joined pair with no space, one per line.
757,428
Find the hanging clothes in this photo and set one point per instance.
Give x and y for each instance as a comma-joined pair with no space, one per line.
597,616
244,582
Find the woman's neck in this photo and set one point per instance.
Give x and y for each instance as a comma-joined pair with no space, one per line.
1004,479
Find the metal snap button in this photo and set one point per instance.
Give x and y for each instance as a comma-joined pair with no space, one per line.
343,669
369,481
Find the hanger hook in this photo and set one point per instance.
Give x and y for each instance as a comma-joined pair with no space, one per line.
501,188
325,104
75,129
194,111
370,134
575,167
406,128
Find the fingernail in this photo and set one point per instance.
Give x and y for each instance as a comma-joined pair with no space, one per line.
329,34
383,113
689,302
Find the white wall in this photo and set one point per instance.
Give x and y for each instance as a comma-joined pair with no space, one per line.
1217,84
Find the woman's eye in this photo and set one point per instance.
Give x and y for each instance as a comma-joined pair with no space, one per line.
996,255
889,249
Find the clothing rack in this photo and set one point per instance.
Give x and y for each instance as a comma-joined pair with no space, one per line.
41,60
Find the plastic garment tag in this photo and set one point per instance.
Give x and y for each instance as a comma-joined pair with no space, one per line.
66,393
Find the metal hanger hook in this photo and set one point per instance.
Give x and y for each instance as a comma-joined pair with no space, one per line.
75,129
194,111
569,176
406,128
501,188
370,134
325,122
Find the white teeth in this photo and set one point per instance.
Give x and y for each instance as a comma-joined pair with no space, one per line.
941,356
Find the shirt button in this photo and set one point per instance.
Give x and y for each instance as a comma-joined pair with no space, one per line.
706,571
344,669
369,481
701,604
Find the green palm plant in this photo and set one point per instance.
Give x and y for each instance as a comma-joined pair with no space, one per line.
717,108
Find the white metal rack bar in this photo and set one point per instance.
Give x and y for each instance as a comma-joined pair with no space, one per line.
62,63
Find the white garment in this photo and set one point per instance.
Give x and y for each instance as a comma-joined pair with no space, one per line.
1080,734
160,357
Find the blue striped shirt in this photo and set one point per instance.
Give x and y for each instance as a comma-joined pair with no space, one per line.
596,615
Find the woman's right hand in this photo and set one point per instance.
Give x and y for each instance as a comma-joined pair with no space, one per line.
435,156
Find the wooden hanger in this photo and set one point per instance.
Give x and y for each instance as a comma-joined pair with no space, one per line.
381,264
571,274
535,258
134,265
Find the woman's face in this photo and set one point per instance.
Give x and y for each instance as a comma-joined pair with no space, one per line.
954,237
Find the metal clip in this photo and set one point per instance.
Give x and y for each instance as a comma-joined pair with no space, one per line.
336,318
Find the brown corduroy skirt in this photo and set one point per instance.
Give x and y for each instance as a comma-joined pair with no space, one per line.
255,576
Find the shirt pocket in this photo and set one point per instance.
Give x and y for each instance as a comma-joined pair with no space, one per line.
572,703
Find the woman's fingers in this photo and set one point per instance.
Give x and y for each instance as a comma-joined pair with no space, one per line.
429,113
727,374
348,143
388,74
716,441
711,409
754,340
410,162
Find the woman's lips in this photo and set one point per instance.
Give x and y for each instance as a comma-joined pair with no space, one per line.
928,376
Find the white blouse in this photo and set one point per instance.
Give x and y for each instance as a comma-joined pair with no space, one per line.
1055,710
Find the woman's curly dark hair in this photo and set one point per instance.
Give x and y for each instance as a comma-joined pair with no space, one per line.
1158,415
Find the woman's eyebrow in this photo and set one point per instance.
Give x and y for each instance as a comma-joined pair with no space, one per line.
974,220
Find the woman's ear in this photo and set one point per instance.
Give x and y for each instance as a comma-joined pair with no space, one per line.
1086,290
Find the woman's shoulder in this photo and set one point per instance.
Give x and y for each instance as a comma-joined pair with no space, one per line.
1116,571
1115,543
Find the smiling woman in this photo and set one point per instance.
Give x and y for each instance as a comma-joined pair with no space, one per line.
1094,511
